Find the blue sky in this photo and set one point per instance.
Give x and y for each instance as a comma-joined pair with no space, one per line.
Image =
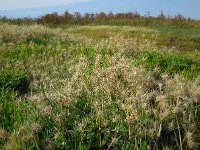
35,8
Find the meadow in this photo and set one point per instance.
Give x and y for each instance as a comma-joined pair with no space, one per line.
99,87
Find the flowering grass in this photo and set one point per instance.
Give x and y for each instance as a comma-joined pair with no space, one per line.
83,92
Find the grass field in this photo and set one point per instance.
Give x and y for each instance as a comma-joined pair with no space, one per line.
99,87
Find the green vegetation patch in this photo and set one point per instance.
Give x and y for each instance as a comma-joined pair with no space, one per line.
172,63
15,80
11,110
38,41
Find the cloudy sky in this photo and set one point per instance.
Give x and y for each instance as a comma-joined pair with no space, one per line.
35,8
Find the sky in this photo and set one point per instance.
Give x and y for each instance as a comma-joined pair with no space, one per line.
36,8
18,4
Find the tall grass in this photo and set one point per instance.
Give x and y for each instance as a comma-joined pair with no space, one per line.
64,90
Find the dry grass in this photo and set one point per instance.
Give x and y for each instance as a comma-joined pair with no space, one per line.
88,93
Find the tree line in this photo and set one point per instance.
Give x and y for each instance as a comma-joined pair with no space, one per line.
102,18
109,18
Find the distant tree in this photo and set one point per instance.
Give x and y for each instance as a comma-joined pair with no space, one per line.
101,15
77,15
111,15
136,14
179,17
92,15
87,16
161,15
147,15
67,17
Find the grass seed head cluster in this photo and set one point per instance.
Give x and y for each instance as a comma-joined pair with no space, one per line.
87,92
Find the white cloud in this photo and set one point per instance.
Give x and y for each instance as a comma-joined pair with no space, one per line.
18,4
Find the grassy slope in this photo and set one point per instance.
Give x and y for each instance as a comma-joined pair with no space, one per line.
101,87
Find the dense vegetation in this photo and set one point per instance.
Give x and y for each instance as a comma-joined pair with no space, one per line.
100,87
101,18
